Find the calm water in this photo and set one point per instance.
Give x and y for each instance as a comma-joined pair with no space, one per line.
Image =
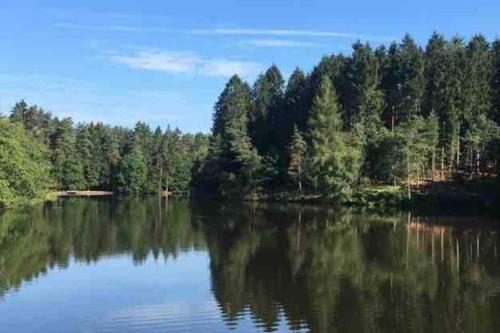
149,266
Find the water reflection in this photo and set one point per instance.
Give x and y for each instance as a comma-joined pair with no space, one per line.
316,269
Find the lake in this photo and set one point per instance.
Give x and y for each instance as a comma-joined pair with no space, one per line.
150,265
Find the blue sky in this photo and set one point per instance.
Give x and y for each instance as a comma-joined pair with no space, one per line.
165,62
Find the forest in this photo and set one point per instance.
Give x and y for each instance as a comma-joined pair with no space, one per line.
401,115
41,153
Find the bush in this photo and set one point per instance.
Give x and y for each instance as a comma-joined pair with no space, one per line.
24,165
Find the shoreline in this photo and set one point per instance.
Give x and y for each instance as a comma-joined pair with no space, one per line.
82,193
370,199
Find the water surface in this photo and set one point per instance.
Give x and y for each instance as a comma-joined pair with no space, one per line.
145,265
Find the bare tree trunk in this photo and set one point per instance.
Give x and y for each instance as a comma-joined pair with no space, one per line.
442,163
408,170
478,161
418,179
451,162
160,162
433,163
458,151
300,177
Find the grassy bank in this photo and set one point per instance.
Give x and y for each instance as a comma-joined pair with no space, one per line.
477,196
369,197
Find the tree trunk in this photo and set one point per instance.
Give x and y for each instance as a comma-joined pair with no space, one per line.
433,163
408,170
478,161
451,162
166,186
300,178
160,162
442,163
418,179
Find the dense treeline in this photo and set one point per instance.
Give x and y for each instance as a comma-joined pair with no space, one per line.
401,115
24,166
55,154
391,115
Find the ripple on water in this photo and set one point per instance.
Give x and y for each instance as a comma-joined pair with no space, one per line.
176,316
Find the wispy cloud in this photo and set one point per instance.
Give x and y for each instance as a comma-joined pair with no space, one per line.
224,31
186,63
290,32
112,28
278,43
166,61
225,68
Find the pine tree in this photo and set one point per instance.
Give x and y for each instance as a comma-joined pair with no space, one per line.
35,120
267,110
295,102
72,174
454,111
411,79
236,159
158,157
432,137
495,81
297,148
365,98
332,167
85,149
478,82
389,63
142,140
63,146
18,113
437,62
336,68
437,99
132,174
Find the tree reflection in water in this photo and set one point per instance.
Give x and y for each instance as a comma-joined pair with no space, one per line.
320,269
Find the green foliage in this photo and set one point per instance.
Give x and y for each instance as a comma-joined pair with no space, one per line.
132,174
398,115
387,158
98,157
333,162
403,81
24,165
86,150
411,81
298,148
233,162
366,100
72,175
265,113
295,103
63,148
495,81
35,120
391,115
